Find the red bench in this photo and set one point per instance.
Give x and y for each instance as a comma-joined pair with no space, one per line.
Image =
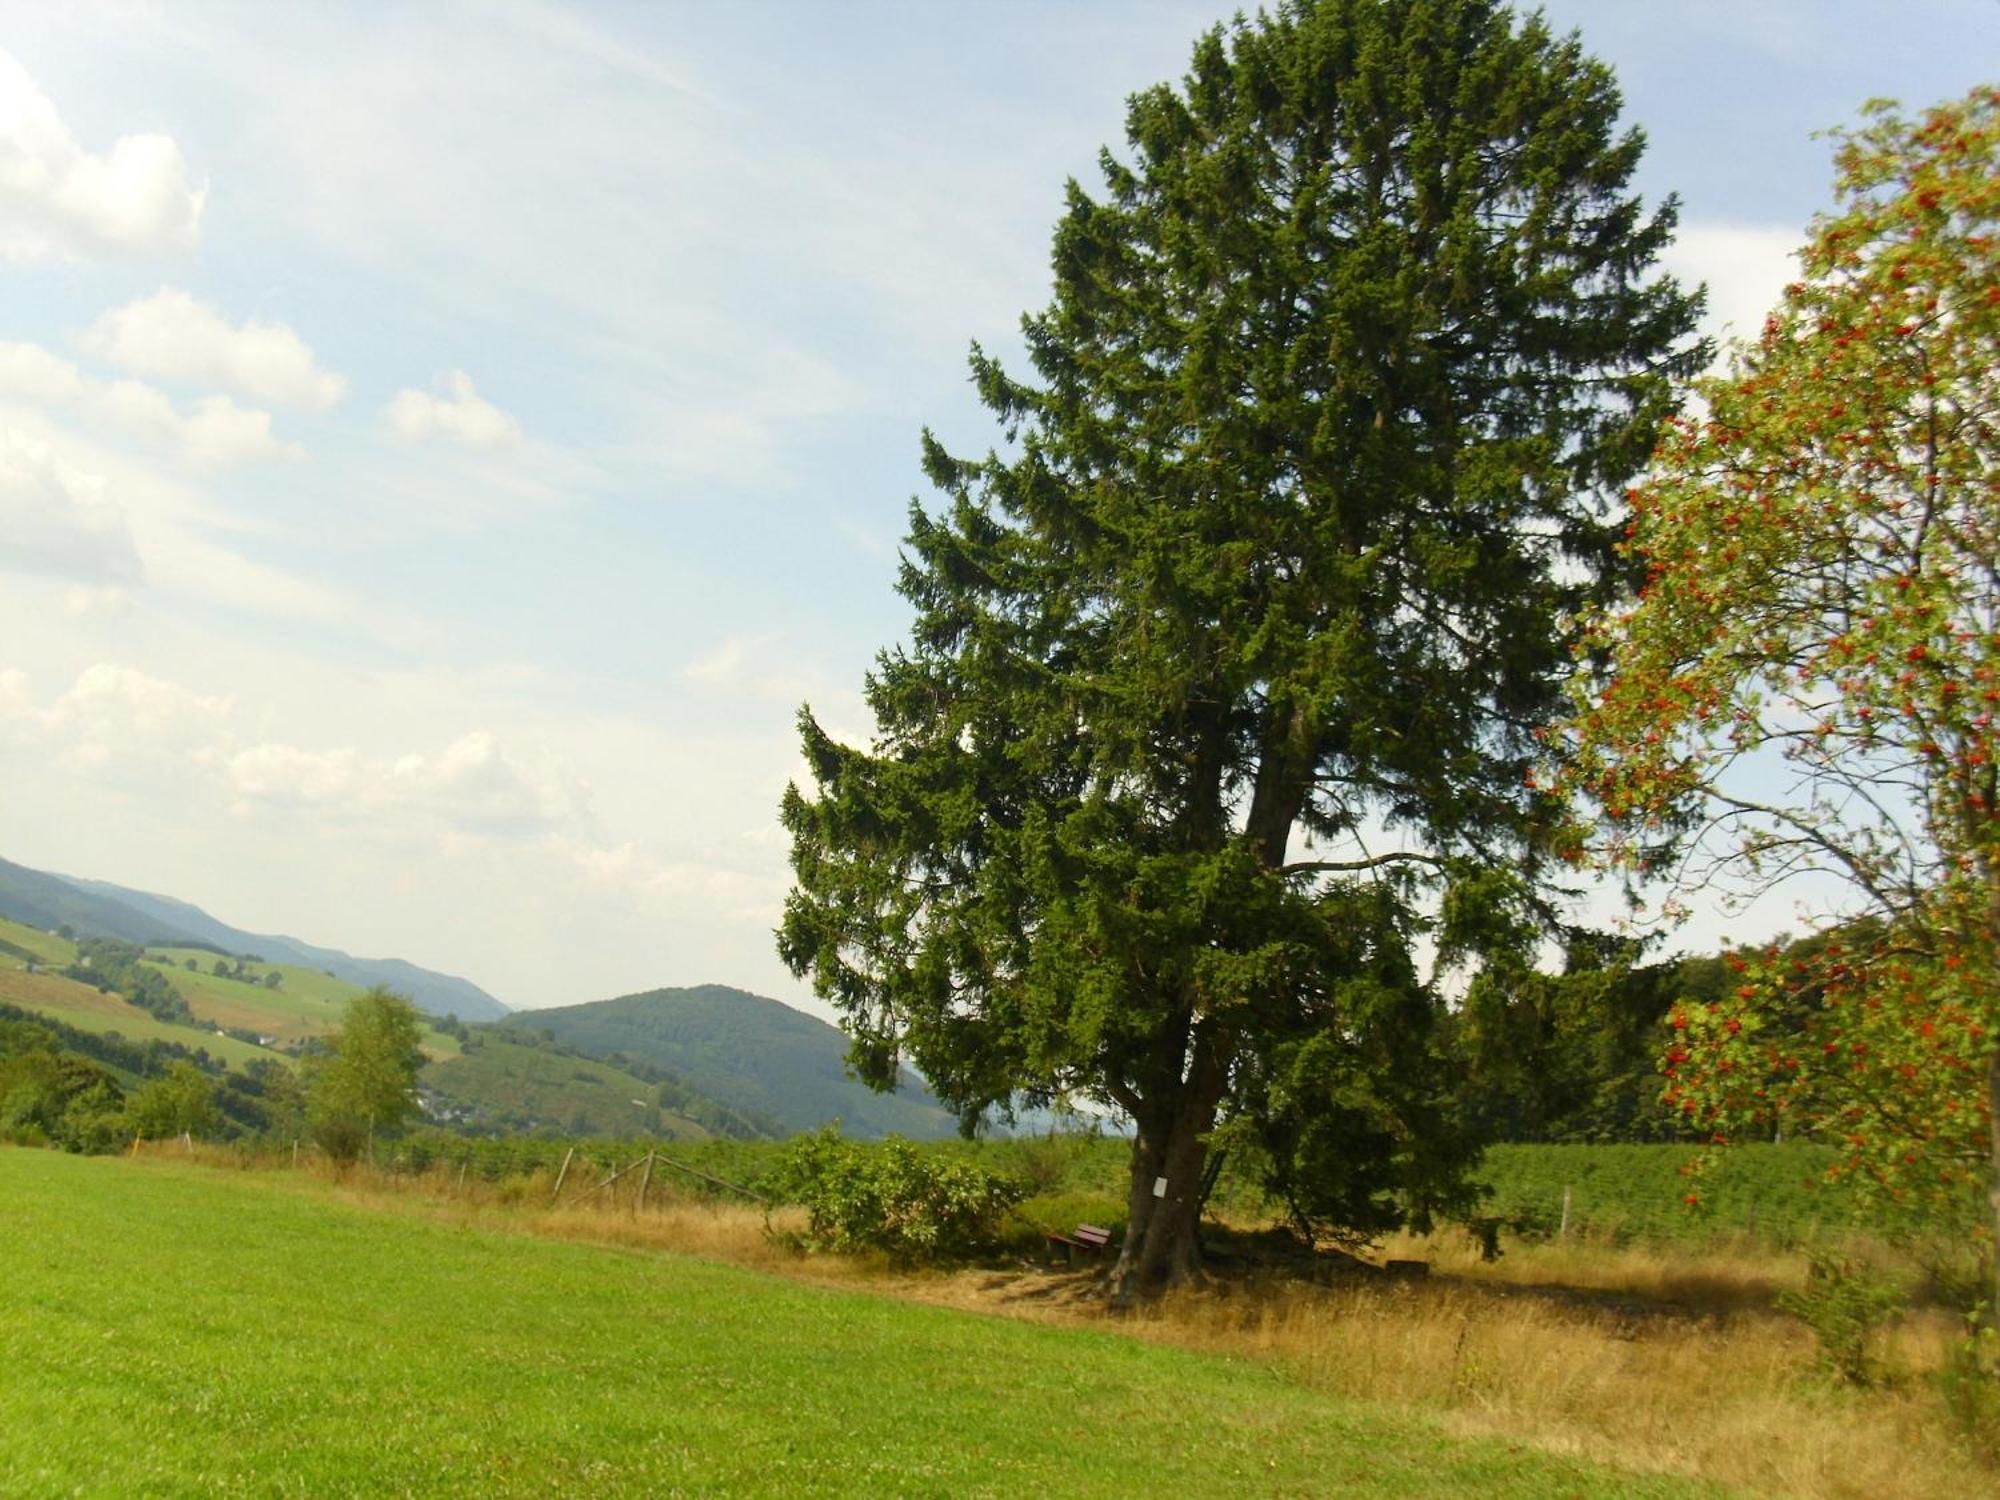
1087,1239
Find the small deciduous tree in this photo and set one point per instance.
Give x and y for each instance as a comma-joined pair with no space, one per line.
366,1084
1224,675
1810,677
181,1102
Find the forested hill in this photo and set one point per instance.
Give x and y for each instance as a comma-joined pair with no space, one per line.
96,908
750,1053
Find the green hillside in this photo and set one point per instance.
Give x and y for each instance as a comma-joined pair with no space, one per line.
29,963
21,944
48,901
439,994
312,1347
498,1084
241,1009
304,1003
750,1053
87,1009
230,1012
95,908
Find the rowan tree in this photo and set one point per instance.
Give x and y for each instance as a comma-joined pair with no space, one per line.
1807,681
1226,665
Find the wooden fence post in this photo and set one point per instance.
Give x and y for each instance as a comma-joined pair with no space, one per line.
645,1182
567,1156
1563,1232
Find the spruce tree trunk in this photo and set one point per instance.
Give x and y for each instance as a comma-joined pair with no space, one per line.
1163,1208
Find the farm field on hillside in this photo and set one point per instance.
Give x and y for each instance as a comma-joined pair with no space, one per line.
306,1002
88,1009
44,947
310,1347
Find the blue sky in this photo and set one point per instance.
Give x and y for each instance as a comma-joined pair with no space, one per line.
441,445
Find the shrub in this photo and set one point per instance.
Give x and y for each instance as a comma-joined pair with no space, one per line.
1969,1381
1843,1302
914,1206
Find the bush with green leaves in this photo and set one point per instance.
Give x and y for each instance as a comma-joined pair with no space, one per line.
1969,1381
1843,1301
915,1206
182,1102
54,1098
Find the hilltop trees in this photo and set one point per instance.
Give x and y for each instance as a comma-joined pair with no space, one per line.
367,1082
1225,672
1808,682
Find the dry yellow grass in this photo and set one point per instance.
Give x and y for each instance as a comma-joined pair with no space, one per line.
1654,1360
1730,1397
53,992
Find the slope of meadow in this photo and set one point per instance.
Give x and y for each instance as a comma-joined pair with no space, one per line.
261,1339
21,944
305,1003
88,1009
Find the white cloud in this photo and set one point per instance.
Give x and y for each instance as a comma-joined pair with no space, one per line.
31,371
475,785
17,698
58,201
461,415
217,434
220,434
1746,268
287,776
82,600
171,336
725,664
118,714
115,719
753,666
56,521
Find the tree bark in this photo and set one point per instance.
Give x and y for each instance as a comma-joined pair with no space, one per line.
1993,1168
1163,1207
1993,1098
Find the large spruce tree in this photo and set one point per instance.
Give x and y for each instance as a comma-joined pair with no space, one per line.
1226,667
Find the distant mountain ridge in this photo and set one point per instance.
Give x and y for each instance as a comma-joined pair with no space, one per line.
747,1051
100,909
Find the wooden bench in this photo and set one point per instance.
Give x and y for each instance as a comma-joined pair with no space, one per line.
1086,1239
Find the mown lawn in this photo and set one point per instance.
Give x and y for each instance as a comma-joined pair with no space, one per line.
169,1329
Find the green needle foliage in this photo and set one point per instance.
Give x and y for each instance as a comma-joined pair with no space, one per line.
1226,669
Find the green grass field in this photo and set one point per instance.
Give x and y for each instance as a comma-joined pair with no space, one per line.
43,947
264,1338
